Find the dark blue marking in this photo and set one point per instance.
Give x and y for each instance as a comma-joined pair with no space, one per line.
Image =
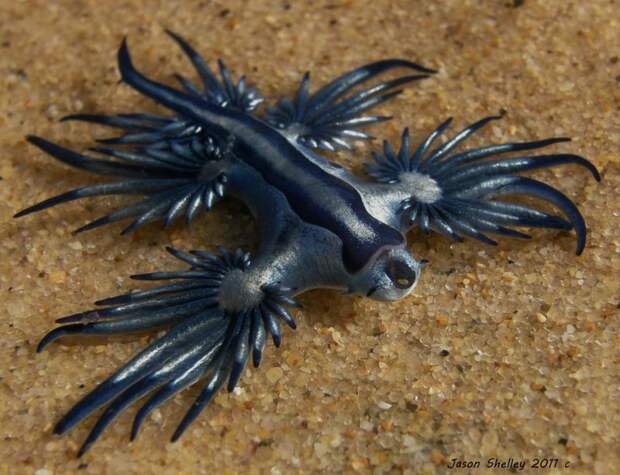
316,196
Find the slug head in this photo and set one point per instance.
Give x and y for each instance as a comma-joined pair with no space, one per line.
391,276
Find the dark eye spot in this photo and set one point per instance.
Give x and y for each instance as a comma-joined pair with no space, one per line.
401,274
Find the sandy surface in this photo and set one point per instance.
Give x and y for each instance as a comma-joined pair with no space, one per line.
507,352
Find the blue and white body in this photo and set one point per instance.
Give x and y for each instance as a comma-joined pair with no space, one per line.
320,226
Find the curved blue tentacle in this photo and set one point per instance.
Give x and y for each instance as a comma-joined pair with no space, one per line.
176,366
327,119
204,340
170,172
456,194
224,93
142,364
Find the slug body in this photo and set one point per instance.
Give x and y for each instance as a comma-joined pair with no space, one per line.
320,226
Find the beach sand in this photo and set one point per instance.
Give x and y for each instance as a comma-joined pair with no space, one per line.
507,352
